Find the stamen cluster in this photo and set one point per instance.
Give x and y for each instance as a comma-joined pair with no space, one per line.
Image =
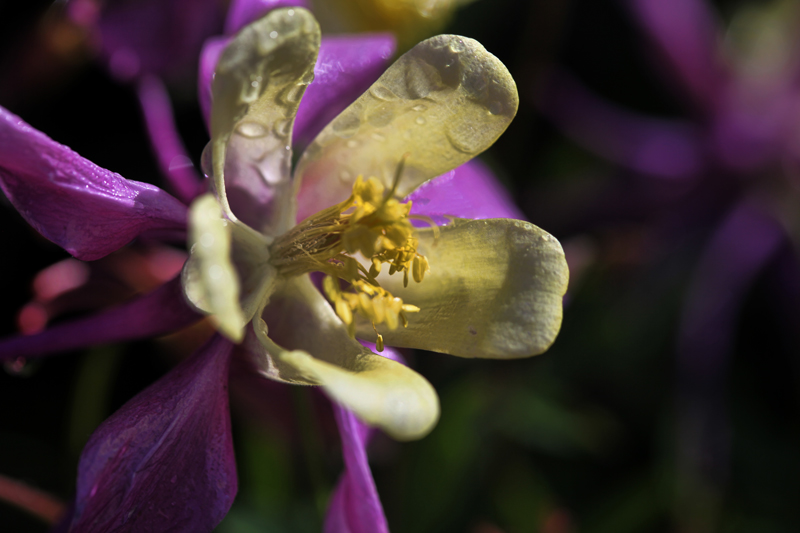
371,223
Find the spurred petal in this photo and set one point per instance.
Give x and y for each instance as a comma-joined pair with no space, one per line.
494,290
259,81
162,311
228,274
164,461
382,392
469,191
346,67
87,210
686,32
439,105
166,142
243,12
355,506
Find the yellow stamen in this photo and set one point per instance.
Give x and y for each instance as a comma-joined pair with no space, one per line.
372,223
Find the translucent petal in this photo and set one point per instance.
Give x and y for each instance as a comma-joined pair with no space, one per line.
209,278
260,78
380,391
442,103
494,290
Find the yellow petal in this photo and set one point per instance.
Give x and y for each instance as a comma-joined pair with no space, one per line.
308,343
259,81
442,103
494,290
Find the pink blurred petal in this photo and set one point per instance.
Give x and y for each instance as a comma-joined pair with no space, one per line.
469,191
164,461
209,56
87,210
167,145
346,67
685,31
661,148
243,12
156,313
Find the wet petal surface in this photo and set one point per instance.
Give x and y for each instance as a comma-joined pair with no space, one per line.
494,290
164,461
442,103
87,210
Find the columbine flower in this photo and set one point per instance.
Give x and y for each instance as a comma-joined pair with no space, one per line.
481,288
494,288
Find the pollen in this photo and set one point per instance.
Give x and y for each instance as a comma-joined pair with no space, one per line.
370,228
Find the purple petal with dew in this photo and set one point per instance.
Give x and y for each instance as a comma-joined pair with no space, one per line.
156,36
468,191
657,147
159,312
87,210
167,145
164,461
209,57
346,67
355,506
243,12
740,248
685,31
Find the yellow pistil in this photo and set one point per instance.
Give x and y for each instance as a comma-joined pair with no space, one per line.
371,223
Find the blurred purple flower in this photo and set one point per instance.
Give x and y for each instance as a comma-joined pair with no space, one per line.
740,134
165,460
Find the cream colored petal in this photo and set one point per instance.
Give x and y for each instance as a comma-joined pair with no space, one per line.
442,103
381,391
259,81
494,290
228,274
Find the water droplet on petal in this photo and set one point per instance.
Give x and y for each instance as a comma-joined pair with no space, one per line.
420,121
457,46
352,143
273,34
346,125
464,138
496,107
382,93
282,127
420,107
293,94
251,130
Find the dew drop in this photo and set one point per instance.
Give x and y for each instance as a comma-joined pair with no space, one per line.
420,107
382,93
251,130
346,125
496,107
282,127
457,46
207,240
352,143
420,121
290,12
464,138
292,95
273,34
345,176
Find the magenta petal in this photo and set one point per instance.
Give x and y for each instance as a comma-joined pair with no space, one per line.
164,461
346,67
159,312
685,32
661,148
243,12
469,191
87,210
209,57
167,145
355,506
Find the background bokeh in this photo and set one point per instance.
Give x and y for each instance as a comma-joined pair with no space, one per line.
627,424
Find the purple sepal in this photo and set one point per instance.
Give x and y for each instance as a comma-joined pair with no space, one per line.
156,36
355,506
468,191
209,56
87,210
167,145
660,148
243,12
346,67
164,461
686,33
159,312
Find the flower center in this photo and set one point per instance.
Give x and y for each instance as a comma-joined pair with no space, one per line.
371,223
